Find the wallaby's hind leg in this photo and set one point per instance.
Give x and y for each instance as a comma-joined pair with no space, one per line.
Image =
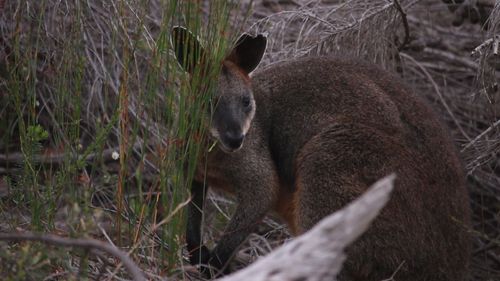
338,165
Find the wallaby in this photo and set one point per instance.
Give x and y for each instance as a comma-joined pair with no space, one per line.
307,136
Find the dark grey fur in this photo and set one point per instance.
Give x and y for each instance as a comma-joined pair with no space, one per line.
324,130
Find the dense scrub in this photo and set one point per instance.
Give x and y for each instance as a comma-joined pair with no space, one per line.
97,123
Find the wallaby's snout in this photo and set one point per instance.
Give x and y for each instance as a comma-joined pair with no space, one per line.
228,127
230,137
234,139
230,130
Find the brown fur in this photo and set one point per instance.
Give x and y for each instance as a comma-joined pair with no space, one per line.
229,66
343,125
324,130
287,207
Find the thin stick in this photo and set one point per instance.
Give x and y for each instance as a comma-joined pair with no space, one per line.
18,157
472,142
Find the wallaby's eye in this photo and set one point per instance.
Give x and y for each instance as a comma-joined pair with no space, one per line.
246,101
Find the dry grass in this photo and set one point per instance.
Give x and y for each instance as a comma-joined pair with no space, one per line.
437,63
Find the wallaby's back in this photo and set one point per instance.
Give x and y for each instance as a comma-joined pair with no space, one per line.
334,127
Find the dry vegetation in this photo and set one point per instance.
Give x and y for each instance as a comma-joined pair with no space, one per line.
85,81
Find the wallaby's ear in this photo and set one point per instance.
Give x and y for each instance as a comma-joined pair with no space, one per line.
188,49
248,52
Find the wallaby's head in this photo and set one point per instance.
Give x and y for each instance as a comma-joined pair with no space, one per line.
233,102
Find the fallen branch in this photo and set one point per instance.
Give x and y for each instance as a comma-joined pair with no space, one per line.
89,244
320,252
58,158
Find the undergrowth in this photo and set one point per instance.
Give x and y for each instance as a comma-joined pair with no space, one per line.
101,129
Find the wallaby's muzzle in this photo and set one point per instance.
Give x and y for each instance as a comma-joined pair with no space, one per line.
230,123
229,140
233,141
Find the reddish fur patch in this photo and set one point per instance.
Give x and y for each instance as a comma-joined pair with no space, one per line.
286,207
234,68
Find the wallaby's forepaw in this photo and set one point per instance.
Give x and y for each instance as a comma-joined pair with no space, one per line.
209,265
218,267
213,267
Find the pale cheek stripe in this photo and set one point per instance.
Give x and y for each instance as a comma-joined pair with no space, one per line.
248,122
214,133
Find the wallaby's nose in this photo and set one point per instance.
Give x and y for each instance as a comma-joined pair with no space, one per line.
234,139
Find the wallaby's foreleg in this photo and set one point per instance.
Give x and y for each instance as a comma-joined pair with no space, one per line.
198,253
256,187
240,226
